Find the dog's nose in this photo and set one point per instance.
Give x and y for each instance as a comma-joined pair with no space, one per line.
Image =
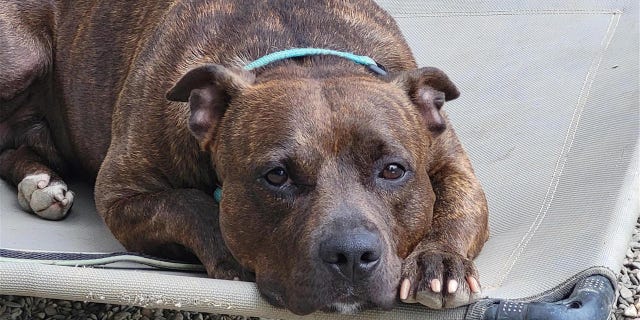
353,256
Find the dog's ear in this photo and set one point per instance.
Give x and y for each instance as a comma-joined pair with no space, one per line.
209,89
428,88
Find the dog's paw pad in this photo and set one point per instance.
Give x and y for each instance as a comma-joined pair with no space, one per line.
46,198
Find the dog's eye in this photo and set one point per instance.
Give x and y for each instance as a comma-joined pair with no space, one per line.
277,176
392,171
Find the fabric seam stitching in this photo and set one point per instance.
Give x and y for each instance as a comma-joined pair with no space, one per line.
504,13
566,148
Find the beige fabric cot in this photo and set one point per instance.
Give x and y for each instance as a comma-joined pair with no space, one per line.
549,114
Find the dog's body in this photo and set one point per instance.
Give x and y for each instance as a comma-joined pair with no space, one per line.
359,176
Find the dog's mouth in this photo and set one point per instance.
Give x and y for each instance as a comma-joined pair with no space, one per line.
352,306
346,305
343,308
344,300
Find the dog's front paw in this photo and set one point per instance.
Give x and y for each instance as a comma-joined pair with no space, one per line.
228,269
439,279
49,199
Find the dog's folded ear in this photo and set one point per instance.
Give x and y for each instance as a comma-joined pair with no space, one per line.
428,88
209,89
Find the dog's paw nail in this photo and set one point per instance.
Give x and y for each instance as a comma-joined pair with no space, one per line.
452,286
405,286
436,286
473,284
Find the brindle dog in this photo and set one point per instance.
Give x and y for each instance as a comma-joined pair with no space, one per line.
342,188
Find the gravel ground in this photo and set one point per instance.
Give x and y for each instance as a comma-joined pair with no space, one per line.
628,304
14,307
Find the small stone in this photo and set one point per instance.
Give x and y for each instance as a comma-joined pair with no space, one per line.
121,315
77,305
50,310
12,304
630,311
41,315
178,316
16,314
625,293
625,279
622,302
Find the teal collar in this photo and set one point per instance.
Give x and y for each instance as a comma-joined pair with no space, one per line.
303,52
217,195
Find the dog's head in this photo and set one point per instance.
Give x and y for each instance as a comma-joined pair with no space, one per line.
325,179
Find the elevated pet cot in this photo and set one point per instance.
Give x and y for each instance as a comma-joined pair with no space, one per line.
549,115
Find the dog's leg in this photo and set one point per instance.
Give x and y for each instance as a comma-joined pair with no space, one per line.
26,149
440,273
29,160
153,221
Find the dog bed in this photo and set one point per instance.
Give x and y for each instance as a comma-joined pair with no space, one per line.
549,116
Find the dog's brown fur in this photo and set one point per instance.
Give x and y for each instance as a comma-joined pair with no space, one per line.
88,82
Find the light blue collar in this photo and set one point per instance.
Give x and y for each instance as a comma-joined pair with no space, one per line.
217,195
302,52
